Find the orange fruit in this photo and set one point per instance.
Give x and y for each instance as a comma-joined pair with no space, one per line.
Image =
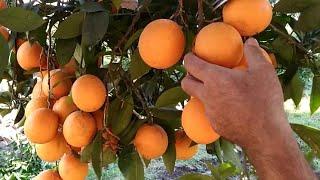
52,150
247,16
195,123
63,107
3,4
60,84
151,141
41,126
34,104
30,56
88,93
161,43
48,175
79,128
71,67
183,149
99,117
219,43
37,91
4,32
70,168
273,60
19,42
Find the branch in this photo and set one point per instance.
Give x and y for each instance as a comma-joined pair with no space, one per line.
200,18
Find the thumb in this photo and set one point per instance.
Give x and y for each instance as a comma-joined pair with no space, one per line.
253,54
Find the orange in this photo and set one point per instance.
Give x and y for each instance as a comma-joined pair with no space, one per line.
183,149
63,107
273,60
88,93
195,123
34,104
79,129
3,4
71,67
30,56
60,84
41,126
99,117
220,44
52,150
151,141
161,43
70,168
48,175
4,32
37,91
247,16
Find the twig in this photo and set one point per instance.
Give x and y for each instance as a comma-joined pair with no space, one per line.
48,63
200,18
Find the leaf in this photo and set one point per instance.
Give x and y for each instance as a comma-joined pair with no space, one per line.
94,28
309,19
309,135
171,97
126,138
166,113
117,3
120,113
71,27
96,155
108,157
19,19
130,164
218,150
315,94
293,6
85,156
20,114
39,34
295,89
229,153
65,49
169,157
284,49
90,6
195,176
189,40
173,123
78,53
137,67
224,171
4,55
132,39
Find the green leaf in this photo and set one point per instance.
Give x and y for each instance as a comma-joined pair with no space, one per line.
189,40
90,6
218,150
229,153
117,3
85,156
130,164
137,67
133,38
19,19
78,53
294,6
223,171
309,19
39,34
19,115
171,97
65,50
173,123
120,113
95,26
108,157
169,157
295,89
4,55
309,135
127,137
71,27
284,49
96,155
166,113
315,94
195,176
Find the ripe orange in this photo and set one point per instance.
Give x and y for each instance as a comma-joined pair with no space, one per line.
71,67
70,168
30,55
247,16
3,4
63,107
37,91
273,60
195,123
34,104
60,84
88,93
41,126
151,141
220,44
4,32
79,129
182,144
52,150
99,117
161,43
48,175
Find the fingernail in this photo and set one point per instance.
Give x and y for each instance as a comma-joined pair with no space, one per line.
252,42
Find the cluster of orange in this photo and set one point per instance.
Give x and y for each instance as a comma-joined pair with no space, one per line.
162,44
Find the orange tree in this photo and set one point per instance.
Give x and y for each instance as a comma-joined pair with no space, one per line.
99,82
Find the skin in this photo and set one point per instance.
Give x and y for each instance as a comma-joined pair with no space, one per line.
246,107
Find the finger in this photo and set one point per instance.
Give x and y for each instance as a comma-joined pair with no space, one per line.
199,68
254,55
192,86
